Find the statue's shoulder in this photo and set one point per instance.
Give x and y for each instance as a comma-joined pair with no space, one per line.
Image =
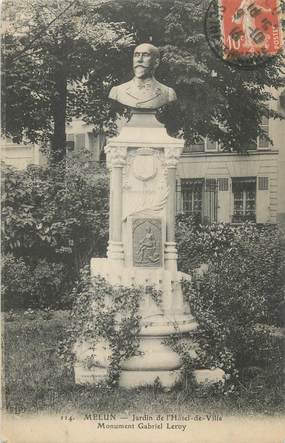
118,89
167,91
172,95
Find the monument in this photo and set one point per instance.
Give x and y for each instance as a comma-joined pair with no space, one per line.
142,249
144,91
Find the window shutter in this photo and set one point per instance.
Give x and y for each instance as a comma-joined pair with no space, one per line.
223,184
210,184
224,209
80,142
197,147
70,142
70,137
263,200
263,183
210,201
211,146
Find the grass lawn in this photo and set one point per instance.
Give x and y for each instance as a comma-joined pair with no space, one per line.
36,380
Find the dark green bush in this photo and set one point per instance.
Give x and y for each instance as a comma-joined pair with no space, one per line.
57,212
54,219
197,244
17,284
236,301
99,313
25,286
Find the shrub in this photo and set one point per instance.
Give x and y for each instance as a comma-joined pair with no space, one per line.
17,285
54,220
58,212
104,312
235,302
24,286
51,285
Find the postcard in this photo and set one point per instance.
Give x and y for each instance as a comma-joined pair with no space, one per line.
143,218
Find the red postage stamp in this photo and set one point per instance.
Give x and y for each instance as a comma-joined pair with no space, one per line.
250,27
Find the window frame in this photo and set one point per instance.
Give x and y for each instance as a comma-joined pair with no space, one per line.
189,189
217,145
76,135
241,218
208,202
262,125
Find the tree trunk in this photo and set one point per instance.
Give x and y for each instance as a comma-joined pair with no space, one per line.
58,145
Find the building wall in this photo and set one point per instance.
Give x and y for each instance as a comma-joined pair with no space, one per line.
278,136
82,137
20,155
267,163
229,166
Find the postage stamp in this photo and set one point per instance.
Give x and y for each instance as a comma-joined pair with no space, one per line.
245,33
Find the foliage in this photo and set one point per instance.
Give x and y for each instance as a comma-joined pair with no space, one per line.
68,69
214,99
44,285
26,97
198,244
37,380
236,302
17,285
48,47
108,314
58,212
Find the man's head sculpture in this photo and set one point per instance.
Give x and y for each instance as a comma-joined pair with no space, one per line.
144,91
145,60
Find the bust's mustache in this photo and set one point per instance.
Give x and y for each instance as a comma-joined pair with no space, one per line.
140,65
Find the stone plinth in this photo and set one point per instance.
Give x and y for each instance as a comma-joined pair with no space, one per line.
142,250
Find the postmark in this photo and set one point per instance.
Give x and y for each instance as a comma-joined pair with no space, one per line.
244,33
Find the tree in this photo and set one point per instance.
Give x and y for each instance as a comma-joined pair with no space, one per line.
61,220
49,48
214,98
76,61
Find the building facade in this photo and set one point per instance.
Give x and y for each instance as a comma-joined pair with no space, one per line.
216,186
212,185
20,155
80,136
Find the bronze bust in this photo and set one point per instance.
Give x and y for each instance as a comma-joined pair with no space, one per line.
144,91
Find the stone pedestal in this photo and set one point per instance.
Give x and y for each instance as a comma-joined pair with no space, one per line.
142,249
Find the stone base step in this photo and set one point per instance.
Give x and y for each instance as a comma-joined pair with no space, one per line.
135,379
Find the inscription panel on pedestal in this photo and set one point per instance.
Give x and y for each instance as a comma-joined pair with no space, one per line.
147,242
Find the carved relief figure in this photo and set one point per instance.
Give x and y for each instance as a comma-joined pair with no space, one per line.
147,242
144,91
147,250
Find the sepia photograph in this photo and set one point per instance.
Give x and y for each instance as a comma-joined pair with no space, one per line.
142,221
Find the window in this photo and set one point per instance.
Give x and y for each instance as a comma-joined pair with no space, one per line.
262,142
191,193
204,144
70,143
199,199
80,142
75,142
244,199
197,147
211,146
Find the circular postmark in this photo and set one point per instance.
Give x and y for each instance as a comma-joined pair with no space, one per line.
245,34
